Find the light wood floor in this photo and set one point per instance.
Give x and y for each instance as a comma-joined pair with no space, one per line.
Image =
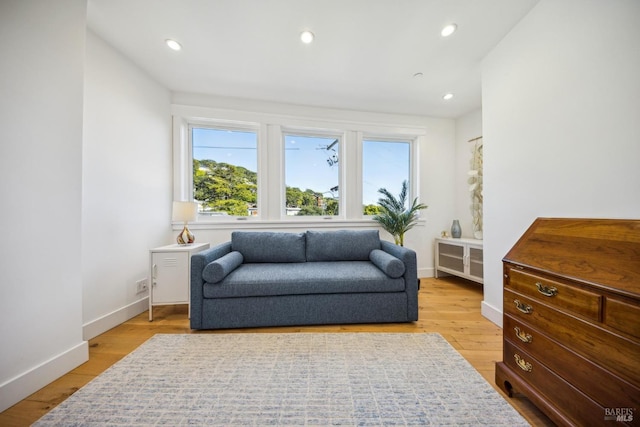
450,306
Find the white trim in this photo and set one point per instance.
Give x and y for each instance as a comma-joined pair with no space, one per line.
111,320
353,158
305,117
425,272
329,222
273,195
491,313
27,383
414,168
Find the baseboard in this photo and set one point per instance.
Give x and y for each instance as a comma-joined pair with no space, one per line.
22,386
111,320
423,273
491,313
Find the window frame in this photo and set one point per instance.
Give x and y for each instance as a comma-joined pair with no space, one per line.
271,168
183,161
188,181
312,133
412,164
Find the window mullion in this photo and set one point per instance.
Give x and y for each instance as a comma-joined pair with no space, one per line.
274,173
352,175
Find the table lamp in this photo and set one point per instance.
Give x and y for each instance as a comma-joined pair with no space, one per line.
185,212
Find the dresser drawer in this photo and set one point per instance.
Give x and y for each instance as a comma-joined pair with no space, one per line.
623,316
612,351
601,385
555,390
556,293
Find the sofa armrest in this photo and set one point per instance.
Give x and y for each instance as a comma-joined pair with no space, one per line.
408,257
198,262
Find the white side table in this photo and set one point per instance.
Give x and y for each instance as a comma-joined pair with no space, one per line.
170,273
460,257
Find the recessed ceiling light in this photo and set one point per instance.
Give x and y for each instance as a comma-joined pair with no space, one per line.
306,37
173,44
448,30
448,96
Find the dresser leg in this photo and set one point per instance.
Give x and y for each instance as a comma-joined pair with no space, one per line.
502,381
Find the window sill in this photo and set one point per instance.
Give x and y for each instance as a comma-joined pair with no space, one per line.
283,224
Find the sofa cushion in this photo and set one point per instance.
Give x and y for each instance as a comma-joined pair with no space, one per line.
342,245
391,265
272,279
257,246
217,270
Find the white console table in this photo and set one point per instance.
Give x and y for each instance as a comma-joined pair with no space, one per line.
170,272
460,257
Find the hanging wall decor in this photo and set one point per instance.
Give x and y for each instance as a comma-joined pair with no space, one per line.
475,186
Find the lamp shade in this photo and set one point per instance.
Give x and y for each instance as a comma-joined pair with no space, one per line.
185,211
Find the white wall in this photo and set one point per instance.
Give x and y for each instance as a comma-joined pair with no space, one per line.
561,121
468,127
435,160
437,178
40,179
126,192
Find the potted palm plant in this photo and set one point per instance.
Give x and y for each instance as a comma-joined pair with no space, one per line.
395,217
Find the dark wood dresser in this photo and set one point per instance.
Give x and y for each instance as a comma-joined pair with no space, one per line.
572,320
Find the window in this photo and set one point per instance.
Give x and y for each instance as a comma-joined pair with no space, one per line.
225,171
385,164
283,170
312,175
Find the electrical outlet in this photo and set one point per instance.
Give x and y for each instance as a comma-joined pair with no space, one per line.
142,286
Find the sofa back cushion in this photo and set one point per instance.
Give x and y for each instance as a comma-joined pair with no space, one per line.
264,246
342,245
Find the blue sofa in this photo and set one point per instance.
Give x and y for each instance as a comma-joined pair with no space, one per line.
317,277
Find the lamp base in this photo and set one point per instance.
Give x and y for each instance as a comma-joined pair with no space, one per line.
185,237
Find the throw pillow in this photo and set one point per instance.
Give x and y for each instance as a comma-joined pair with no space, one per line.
217,270
390,265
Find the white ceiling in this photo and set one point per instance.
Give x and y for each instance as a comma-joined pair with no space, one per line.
364,56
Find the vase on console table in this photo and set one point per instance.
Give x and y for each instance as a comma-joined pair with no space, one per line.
456,231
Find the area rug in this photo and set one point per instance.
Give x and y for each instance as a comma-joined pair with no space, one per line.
295,379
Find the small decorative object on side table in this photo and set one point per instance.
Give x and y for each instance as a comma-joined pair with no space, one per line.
170,272
456,231
185,212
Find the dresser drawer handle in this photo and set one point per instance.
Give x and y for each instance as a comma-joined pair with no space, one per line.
523,364
523,336
547,291
525,308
